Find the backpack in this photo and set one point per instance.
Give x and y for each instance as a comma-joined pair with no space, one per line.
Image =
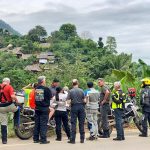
2,93
146,97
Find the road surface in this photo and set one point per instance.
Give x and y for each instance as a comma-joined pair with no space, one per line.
132,142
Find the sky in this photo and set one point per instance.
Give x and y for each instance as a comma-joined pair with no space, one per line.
126,20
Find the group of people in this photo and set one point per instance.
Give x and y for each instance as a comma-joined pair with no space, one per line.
83,103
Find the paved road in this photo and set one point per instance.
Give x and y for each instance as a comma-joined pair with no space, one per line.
132,142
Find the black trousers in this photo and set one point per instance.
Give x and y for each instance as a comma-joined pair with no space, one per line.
40,129
77,111
105,109
146,118
61,117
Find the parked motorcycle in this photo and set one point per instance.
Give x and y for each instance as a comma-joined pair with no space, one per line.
26,122
130,113
25,128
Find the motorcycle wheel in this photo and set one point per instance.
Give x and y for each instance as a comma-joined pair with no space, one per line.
100,130
21,131
138,123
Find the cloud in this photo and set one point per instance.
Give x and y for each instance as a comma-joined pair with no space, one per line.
128,20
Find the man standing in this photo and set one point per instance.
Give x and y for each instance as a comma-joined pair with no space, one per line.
145,103
53,86
76,95
118,100
7,97
92,99
104,107
42,101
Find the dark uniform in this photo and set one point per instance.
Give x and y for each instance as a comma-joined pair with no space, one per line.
76,95
104,110
42,101
118,100
145,103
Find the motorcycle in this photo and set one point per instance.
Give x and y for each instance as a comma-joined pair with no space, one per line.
26,125
130,113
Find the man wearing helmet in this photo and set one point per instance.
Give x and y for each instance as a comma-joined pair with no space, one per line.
145,103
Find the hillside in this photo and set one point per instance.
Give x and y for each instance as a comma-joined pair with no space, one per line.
4,25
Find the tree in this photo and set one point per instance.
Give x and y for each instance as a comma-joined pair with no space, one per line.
120,62
86,35
68,30
36,34
100,43
111,44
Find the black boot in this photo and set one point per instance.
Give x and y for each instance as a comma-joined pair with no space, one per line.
4,134
143,135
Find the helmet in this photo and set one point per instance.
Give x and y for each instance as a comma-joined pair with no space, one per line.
131,92
145,82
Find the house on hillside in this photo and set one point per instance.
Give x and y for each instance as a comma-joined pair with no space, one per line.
43,58
34,68
26,56
10,46
46,57
17,51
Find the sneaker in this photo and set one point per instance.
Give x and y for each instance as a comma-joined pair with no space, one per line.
143,135
91,138
117,139
71,142
45,142
36,141
4,142
58,139
81,141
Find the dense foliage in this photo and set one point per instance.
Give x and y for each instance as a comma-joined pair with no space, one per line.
76,57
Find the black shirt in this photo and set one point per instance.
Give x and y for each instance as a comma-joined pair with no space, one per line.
42,98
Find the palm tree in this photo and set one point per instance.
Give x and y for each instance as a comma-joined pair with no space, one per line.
120,62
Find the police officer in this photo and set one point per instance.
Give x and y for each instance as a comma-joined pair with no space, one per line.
92,99
104,107
42,101
145,103
118,100
76,95
7,97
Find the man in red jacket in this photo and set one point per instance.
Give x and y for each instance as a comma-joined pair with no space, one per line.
7,97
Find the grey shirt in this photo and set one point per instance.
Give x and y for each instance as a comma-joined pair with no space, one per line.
76,95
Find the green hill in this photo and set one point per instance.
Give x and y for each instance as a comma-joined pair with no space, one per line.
5,26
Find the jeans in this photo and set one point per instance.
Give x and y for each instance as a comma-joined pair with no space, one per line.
92,124
77,111
119,125
146,118
40,129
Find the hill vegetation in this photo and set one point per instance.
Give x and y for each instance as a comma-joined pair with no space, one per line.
76,57
7,28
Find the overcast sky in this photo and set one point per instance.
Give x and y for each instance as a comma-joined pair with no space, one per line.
127,20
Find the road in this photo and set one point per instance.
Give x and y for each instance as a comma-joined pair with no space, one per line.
132,142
